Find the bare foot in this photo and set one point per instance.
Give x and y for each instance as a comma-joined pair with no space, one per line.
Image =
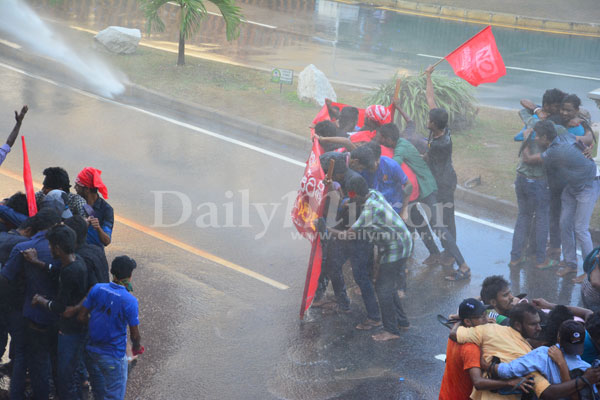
401,294
580,278
432,260
368,324
384,336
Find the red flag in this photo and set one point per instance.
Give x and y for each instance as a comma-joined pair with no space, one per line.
478,60
308,207
28,181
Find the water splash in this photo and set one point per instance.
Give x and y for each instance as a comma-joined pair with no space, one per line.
20,22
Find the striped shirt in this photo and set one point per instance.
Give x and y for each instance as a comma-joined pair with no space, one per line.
381,225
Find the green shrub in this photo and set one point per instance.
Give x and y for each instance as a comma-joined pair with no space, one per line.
453,94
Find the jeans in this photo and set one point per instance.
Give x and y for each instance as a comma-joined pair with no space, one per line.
418,224
361,258
39,342
334,261
70,353
577,207
16,328
387,285
108,375
555,210
438,226
446,197
533,199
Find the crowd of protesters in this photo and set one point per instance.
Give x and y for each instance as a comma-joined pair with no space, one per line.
66,319
500,346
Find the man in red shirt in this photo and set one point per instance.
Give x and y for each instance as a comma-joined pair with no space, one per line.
463,369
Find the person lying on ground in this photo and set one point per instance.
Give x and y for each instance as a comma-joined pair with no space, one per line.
381,225
508,343
463,369
557,363
12,137
56,178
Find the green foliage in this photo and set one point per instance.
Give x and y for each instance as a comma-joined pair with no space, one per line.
452,94
192,13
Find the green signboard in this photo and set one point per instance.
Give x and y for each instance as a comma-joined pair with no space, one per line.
282,76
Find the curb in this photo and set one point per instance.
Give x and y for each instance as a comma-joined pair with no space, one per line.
491,18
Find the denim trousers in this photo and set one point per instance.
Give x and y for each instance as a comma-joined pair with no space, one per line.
16,328
533,199
387,285
70,353
39,342
108,375
577,207
555,208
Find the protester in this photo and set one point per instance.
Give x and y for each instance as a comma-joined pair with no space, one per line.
13,211
533,200
56,178
32,329
569,111
463,368
532,113
378,221
495,291
12,137
582,188
101,215
72,288
92,255
110,308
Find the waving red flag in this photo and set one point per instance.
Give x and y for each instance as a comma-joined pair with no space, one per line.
28,181
478,60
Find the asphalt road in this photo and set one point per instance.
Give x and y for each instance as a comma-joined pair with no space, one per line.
213,332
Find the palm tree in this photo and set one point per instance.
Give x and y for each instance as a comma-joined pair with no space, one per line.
190,16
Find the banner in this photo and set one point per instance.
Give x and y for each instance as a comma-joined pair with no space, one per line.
478,60
31,204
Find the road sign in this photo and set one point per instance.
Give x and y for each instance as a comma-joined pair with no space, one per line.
282,76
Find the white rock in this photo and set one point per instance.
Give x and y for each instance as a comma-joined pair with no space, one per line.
314,86
119,40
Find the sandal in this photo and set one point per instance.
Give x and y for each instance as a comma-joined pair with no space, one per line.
550,263
459,275
518,262
368,324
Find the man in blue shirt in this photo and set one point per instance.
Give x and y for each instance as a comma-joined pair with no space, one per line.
101,215
32,329
570,342
110,308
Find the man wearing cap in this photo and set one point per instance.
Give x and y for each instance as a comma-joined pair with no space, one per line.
101,215
463,370
571,336
508,343
380,224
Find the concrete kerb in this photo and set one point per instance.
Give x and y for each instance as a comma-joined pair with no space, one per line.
489,17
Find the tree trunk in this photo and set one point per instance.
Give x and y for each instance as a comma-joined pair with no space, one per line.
181,53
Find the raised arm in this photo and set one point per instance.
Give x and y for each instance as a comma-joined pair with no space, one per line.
429,93
580,312
15,132
401,111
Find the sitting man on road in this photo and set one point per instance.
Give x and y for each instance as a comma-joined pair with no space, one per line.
463,368
495,291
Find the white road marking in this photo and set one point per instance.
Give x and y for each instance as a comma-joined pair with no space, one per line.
10,44
537,71
441,357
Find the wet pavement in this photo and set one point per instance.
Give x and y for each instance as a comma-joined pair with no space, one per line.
212,332
362,45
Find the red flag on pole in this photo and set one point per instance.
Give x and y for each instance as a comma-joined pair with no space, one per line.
28,181
478,60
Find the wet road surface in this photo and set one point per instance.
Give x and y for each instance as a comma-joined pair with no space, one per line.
212,332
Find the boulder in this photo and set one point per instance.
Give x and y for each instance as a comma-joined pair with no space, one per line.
314,86
119,40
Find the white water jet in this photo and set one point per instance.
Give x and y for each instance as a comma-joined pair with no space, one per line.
18,20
